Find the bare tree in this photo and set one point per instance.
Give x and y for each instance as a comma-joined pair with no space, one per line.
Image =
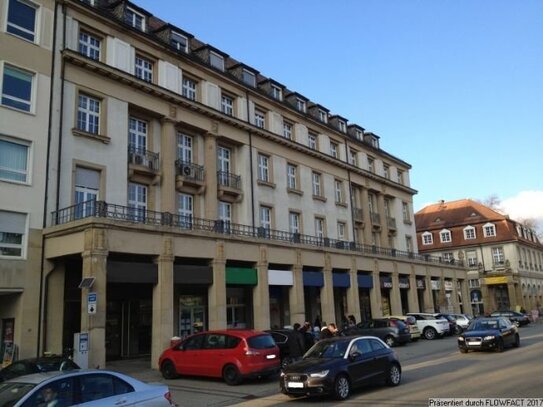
534,225
493,202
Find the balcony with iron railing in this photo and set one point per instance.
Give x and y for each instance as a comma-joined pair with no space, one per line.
143,164
229,186
189,175
131,216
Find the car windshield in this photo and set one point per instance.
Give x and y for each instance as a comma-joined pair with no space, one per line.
10,393
327,349
483,325
261,342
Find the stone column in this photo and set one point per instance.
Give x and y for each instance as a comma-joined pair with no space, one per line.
367,216
210,164
353,300
454,293
375,294
327,294
95,265
163,306
412,298
466,298
513,300
296,292
520,298
261,293
428,295
395,299
217,291
488,301
168,155
54,299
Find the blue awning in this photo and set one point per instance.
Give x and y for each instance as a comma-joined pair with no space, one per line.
313,279
341,280
365,281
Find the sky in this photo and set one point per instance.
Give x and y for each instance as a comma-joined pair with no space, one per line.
453,87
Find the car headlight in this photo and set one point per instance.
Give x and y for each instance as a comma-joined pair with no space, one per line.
319,374
461,338
489,337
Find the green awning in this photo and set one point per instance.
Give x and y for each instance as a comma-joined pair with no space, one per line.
240,275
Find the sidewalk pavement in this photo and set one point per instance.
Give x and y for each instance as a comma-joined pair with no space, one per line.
137,368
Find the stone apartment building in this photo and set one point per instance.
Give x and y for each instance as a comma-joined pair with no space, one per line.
188,191
504,257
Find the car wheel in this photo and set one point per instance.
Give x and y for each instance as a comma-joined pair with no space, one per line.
430,333
516,344
231,375
394,375
168,370
457,330
499,346
342,387
463,350
390,341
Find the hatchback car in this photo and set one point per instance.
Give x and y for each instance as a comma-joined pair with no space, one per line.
462,320
335,365
36,365
89,388
391,331
489,334
231,354
515,317
411,323
431,326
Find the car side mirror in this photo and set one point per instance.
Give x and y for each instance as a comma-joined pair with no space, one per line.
354,356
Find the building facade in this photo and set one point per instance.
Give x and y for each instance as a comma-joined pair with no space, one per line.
187,191
504,257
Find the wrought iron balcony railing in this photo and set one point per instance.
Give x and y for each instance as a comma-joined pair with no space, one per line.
189,170
141,156
227,179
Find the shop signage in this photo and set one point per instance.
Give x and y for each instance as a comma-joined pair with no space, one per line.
448,285
436,285
496,280
421,285
404,283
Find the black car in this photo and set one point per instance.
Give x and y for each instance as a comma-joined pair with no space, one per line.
335,365
391,331
515,317
291,344
489,334
36,365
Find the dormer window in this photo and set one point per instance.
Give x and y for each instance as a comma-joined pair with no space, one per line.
300,105
469,233
276,92
135,19
248,77
342,126
323,116
179,42
359,135
216,60
489,230
445,236
427,238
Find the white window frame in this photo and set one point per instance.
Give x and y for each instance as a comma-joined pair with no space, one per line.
371,165
225,212
334,149
312,141
138,130
185,145
287,130
143,68
405,212
263,168
248,77
137,201
292,176
342,126
135,19
427,238
227,105
471,258
277,92
489,230
27,171
342,231
338,188
316,184
400,177
185,209
178,45
323,116
359,135
90,45
386,171
448,257
91,122
260,118
265,217
189,88
301,105
353,157
498,255
85,196
294,222
216,60
470,233
28,104
15,246
319,227
24,32
445,236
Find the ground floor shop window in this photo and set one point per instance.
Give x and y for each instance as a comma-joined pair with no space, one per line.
192,315
239,307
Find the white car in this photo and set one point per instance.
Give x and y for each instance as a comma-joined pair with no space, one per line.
89,388
430,326
462,320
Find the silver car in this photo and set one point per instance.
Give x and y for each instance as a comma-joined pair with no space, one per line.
89,388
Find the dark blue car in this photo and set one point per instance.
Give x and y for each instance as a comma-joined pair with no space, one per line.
489,334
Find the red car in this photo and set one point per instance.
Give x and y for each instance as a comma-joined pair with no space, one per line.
231,354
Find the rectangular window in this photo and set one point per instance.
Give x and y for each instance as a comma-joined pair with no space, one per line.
342,126
371,165
137,135
386,171
497,255
249,78
353,157
427,238
225,215
216,60
89,46
445,236
294,222
227,105
265,217
341,229
338,186
263,168
469,233
22,19
184,148
489,230
179,42
317,190
17,88
12,234
292,182
312,141
185,210
334,149
189,88
300,105
14,158
400,176
137,202
287,130
319,228
405,212
409,243
359,135
448,257
87,186
471,256
277,92
260,119
323,116
371,203
143,69
88,114
134,19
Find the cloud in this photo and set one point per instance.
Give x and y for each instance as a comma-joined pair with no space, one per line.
524,205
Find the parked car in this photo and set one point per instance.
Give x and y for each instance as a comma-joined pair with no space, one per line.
36,365
489,334
291,344
430,326
516,317
411,324
462,320
454,329
230,353
335,365
89,388
391,331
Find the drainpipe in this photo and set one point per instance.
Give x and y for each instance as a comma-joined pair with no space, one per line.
351,200
251,164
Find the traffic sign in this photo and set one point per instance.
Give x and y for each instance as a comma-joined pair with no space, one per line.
91,303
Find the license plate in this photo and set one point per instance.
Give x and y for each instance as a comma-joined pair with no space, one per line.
474,343
270,356
295,385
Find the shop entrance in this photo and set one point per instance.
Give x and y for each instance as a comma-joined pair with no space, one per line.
192,315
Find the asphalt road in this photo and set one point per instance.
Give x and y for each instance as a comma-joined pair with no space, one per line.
431,369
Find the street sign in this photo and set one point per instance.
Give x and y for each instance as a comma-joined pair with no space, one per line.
91,303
